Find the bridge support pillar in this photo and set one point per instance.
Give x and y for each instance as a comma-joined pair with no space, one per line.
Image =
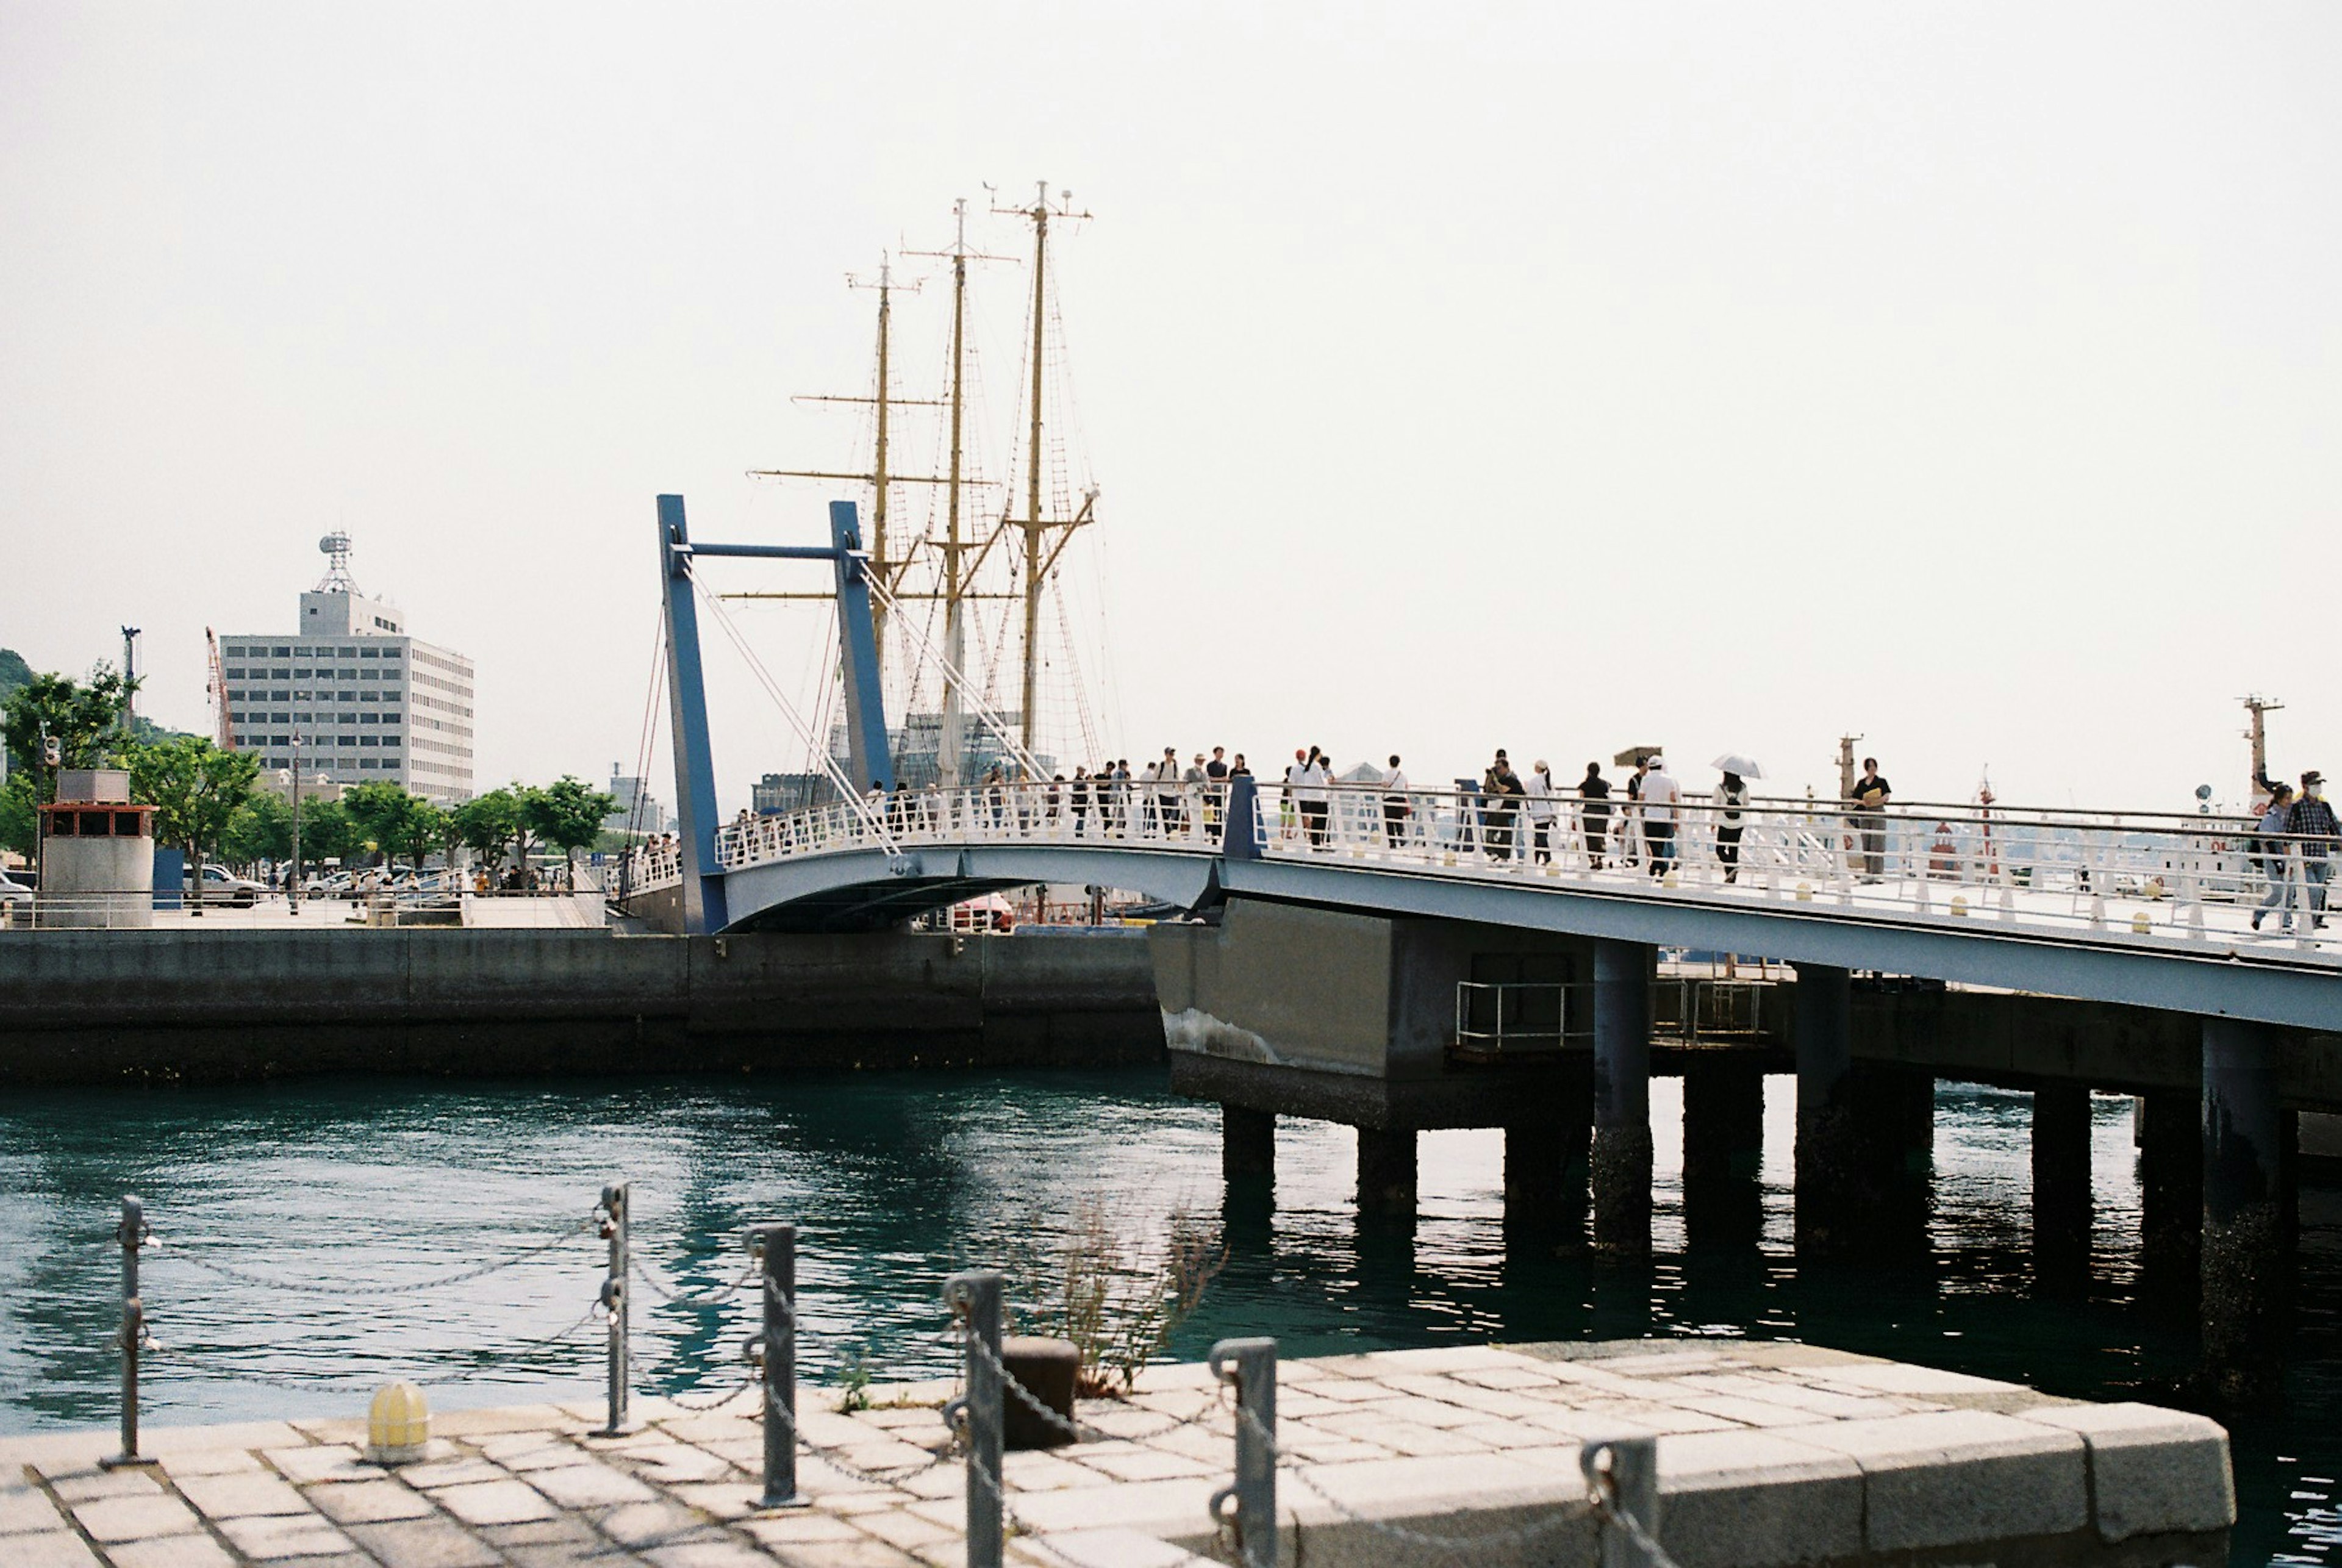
1829,1167
2061,1183
1248,1145
1386,1171
1546,1164
2245,1255
2171,1197
1621,1164
1723,1144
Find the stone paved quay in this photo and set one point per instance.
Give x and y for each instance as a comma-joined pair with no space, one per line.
1768,1453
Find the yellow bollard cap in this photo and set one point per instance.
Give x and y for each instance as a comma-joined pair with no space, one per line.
1804,892
1959,904
2141,923
399,1424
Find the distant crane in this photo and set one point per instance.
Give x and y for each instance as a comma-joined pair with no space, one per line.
219,694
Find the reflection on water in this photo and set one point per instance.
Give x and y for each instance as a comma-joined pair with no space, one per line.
343,1194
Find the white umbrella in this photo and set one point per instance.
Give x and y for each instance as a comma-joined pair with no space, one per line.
1734,763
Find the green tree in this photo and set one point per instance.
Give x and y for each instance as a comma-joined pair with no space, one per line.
488,823
567,814
84,720
195,789
380,810
327,832
424,827
18,823
262,829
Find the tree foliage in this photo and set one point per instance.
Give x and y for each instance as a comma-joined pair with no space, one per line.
383,814
86,721
196,788
488,823
567,813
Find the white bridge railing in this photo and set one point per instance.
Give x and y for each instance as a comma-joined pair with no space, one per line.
2158,878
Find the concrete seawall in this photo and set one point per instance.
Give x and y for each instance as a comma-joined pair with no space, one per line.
171,1006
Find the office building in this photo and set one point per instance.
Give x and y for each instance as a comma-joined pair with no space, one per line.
368,701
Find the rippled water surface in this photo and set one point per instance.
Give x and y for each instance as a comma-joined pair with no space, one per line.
309,1231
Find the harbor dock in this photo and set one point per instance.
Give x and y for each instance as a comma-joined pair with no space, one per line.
1766,1453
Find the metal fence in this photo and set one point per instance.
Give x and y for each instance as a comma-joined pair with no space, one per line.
1621,1475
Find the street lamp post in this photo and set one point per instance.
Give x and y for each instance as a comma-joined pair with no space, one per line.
293,888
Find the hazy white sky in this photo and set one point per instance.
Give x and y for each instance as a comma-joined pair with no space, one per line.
1552,377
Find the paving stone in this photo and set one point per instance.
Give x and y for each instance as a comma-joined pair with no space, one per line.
1151,1464
368,1501
589,1485
432,1543
109,1519
799,1527
1960,1477
211,1461
1114,1549
506,1502
500,1419
465,1471
708,1554
24,1509
1731,1497
270,1536
637,1523
2151,1469
84,1485
323,1462
725,1500
900,1527
49,1549
228,1496
172,1552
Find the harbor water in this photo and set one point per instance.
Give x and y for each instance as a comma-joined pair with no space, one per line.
319,1239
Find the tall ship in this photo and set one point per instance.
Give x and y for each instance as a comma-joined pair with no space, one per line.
982,537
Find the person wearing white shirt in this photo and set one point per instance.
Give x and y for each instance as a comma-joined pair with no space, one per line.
1395,804
1538,787
1315,776
1660,796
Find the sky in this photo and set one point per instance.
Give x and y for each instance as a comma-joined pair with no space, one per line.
1547,376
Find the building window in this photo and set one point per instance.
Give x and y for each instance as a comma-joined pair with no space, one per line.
369,653
280,652
280,673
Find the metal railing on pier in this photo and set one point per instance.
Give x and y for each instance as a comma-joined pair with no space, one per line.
1621,1475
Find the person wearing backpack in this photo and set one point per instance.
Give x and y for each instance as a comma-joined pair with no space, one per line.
1731,797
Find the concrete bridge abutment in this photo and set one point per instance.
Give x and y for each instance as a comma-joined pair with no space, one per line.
2246,1253
1621,1164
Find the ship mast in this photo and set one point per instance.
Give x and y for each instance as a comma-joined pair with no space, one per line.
1034,525
887,566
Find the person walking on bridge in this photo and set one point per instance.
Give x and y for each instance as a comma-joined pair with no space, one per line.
2311,822
1594,791
1731,797
1660,799
1540,788
1504,791
1395,804
2271,853
1871,794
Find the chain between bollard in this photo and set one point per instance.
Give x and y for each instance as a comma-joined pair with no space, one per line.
196,1257
1081,1432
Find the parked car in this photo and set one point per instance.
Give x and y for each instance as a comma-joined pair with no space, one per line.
225,886
14,894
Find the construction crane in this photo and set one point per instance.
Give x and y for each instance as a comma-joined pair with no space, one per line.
219,694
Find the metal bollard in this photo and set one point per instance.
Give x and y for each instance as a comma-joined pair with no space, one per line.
1250,1366
613,1302
975,1296
1623,1473
132,1233
776,1252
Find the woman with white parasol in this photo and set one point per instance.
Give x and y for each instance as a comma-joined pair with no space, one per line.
1731,801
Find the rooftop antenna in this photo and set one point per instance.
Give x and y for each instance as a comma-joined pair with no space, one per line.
336,547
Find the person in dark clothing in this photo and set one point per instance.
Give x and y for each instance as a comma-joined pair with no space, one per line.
2312,823
1595,791
1502,788
1731,795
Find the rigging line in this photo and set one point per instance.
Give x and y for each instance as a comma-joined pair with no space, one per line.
650,718
984,712
861,808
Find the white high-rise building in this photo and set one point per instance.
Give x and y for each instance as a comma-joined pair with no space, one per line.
368,701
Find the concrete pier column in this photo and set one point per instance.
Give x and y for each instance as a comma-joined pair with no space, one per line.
1386,1171
1830,1176
2061,1183
2171,1197
2245,1261
1622,1097
1248,1143
1723,1144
